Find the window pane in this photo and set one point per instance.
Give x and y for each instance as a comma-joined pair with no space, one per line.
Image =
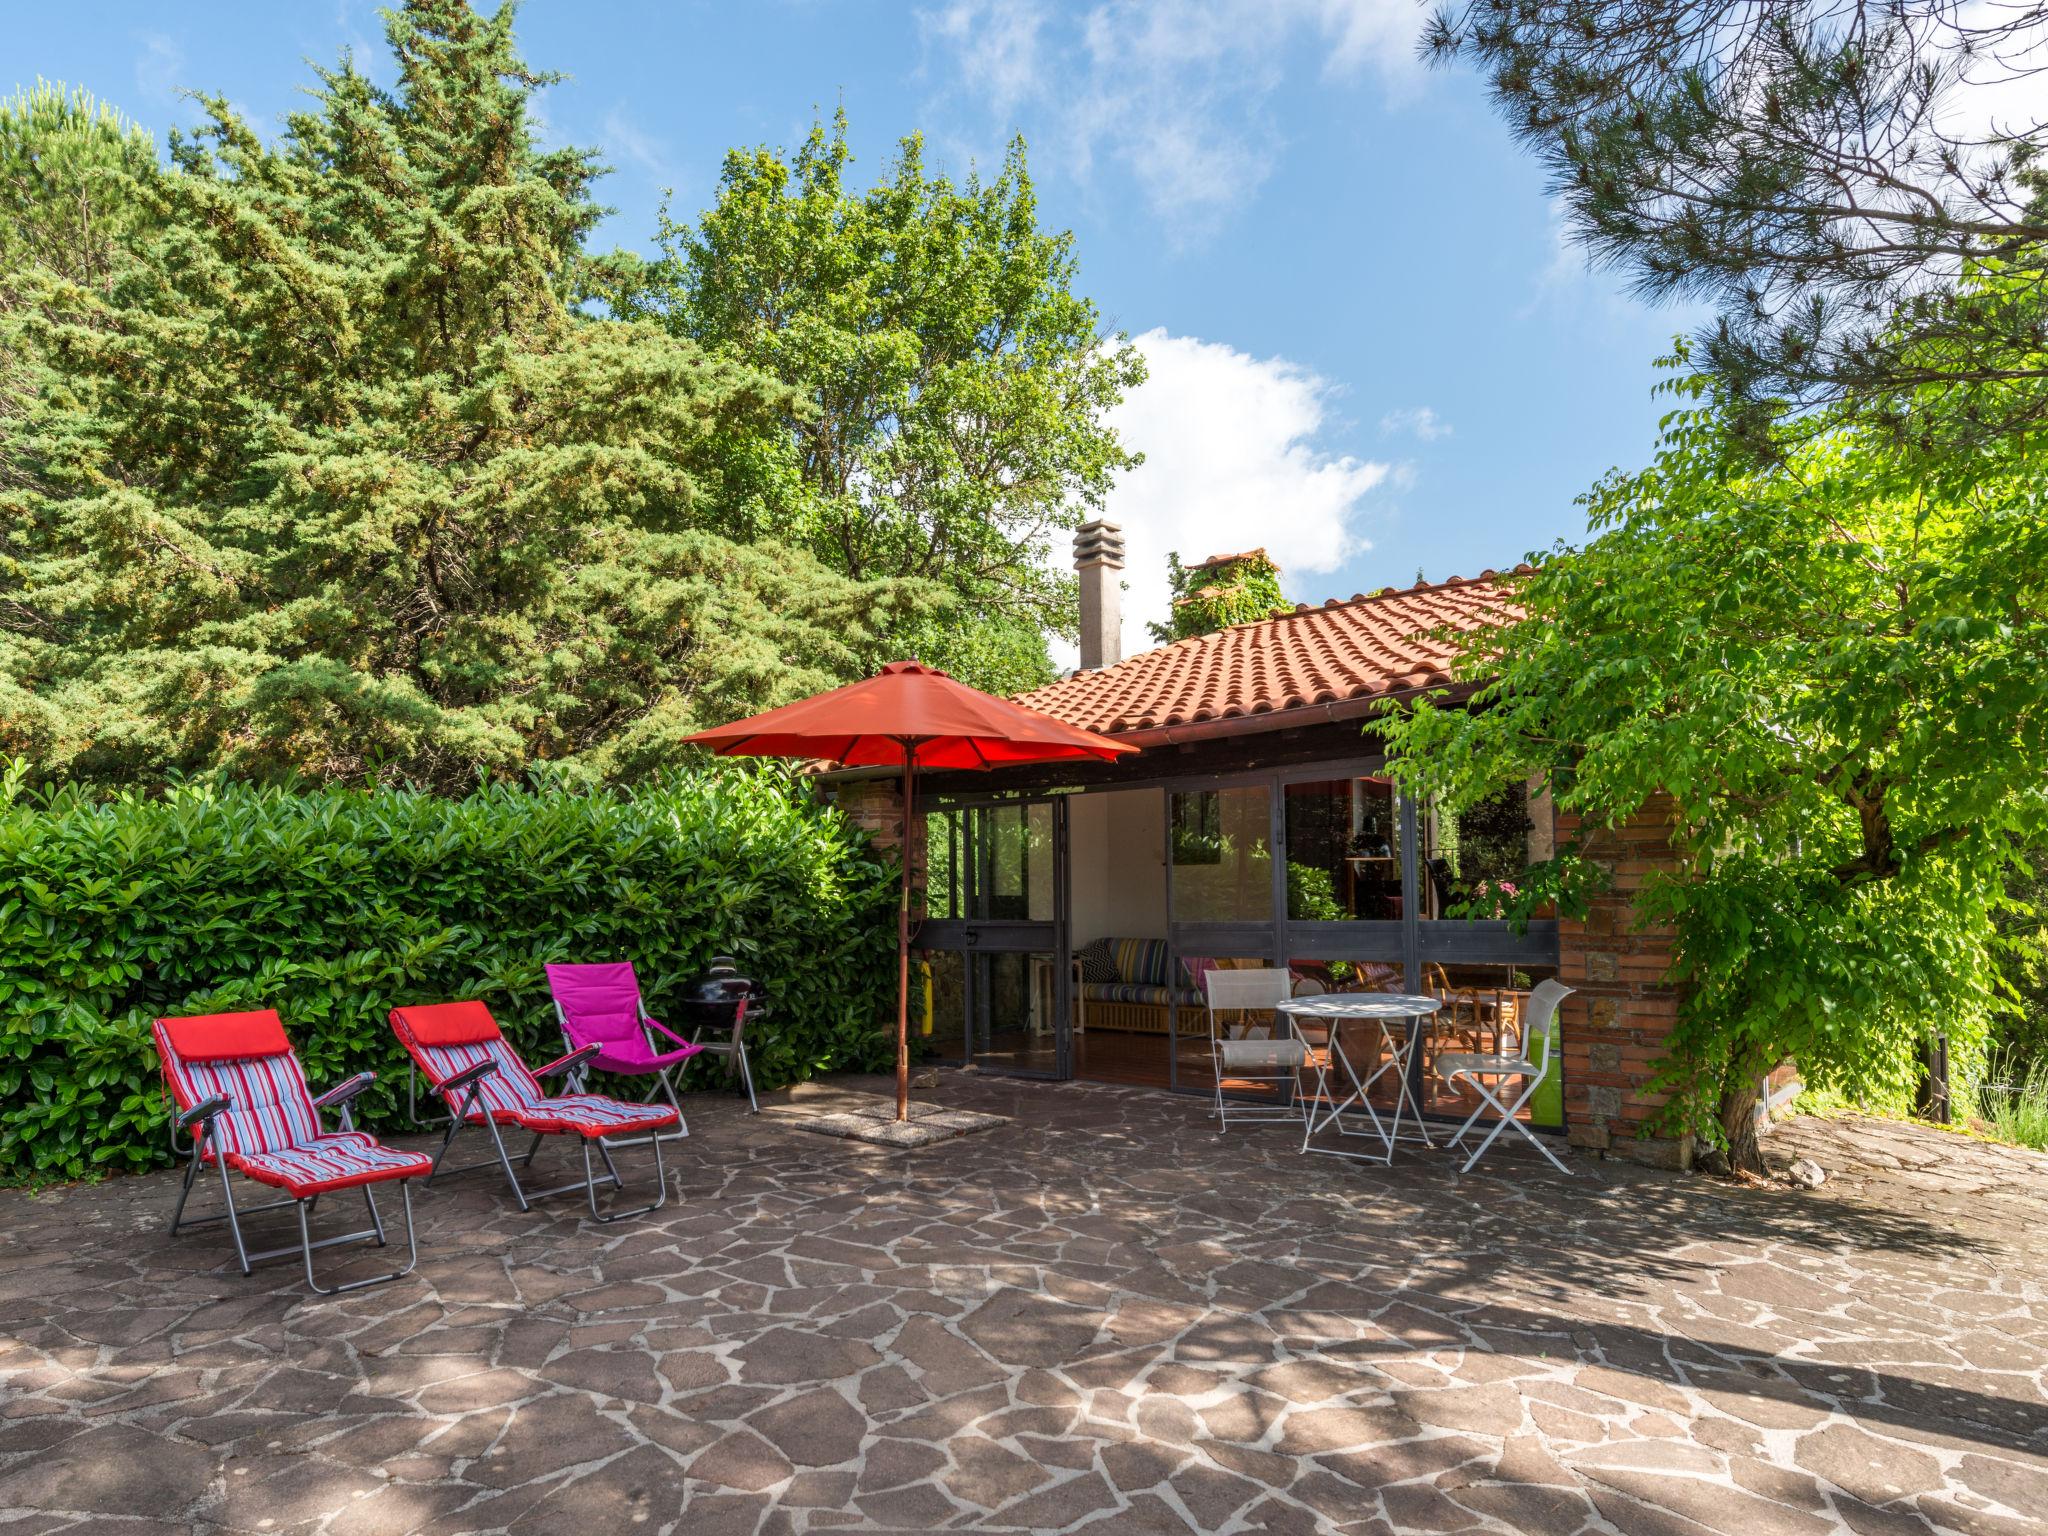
1020,862
945,892
1222,864
1343,851
939,1004
1020,999
1473,860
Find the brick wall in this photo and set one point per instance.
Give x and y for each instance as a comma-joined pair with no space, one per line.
1617,1022
875,806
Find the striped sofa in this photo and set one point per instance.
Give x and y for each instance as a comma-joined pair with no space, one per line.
1122,984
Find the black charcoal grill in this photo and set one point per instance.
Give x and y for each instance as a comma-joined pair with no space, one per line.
712,1018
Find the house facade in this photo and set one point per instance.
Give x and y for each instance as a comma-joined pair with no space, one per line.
1071,910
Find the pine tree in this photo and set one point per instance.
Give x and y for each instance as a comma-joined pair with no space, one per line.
1822,174
331,476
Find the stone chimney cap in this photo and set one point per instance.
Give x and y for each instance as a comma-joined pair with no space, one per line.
1099,543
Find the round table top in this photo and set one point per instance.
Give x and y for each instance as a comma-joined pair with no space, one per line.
1362,1005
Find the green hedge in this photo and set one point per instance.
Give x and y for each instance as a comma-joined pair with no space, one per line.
334,906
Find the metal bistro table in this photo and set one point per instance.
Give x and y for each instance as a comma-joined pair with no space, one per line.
1333,1010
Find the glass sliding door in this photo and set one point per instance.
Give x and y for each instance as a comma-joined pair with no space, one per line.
995,935
1224,891
1018,1026
1116,887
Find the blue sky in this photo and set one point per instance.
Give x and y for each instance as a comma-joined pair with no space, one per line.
1372,351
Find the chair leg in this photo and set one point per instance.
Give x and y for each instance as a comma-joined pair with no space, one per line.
1537,1142
1507,1113
447,1141
590,1183
376,1221
498,1141
674,1103
1471,1119
234,1222
307,1245
1501,1123
490,1123
185,1191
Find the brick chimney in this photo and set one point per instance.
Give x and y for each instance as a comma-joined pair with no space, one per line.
1098,556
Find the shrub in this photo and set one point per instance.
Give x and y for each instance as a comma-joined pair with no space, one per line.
335,906
2014,1100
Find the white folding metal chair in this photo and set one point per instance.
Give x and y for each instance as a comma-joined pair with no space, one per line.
1531,1062
1276,1060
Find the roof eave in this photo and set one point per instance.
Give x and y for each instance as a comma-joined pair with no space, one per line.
1284,719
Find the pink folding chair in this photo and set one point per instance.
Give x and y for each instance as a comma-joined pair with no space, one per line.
599,1008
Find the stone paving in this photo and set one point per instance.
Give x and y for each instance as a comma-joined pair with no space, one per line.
1101,1317
1919,1167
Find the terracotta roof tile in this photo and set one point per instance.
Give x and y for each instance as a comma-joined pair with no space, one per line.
1215,560
1341,651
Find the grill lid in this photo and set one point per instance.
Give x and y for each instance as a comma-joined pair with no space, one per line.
713,996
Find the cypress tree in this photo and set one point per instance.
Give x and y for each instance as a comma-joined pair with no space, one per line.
324,472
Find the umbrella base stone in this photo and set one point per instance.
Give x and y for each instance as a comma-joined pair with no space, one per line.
877,1124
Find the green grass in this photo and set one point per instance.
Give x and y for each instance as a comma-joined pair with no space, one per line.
2013,1101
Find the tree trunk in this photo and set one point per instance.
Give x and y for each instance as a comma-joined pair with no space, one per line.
1739,1096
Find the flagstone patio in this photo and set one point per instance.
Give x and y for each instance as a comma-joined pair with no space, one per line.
1098,1317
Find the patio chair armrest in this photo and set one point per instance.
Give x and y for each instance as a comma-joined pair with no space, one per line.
199,1114
465,1077
562,1064
653,1023
345,1090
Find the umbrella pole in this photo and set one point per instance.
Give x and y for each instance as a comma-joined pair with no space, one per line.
903,942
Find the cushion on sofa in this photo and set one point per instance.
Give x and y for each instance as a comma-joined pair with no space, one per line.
1132,992
1096,963
1141,962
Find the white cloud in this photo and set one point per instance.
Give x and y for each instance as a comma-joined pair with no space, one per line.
1174,93
1421,421
994,46
626,139
160,69
1232,462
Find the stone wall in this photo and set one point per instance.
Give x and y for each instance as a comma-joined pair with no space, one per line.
1618,1021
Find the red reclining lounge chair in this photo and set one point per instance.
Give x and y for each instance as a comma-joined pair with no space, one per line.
467,1060
241,1095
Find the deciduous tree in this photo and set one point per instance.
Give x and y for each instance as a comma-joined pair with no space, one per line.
1836,665
948,387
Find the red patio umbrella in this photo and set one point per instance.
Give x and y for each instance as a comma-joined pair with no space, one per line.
915,717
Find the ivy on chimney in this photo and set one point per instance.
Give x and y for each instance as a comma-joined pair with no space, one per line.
1223,590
